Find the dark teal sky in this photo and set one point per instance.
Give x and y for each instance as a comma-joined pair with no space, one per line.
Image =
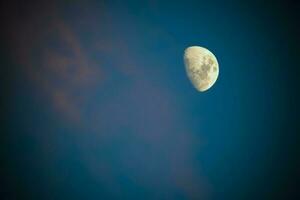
97,104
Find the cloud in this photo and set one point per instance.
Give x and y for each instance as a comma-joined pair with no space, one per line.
52,56
119,106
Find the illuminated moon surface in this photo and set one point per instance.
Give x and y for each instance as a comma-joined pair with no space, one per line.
201,66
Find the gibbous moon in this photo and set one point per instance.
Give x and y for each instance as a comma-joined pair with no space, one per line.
201,66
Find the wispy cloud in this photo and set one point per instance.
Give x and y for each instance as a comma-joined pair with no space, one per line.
63,77
62,69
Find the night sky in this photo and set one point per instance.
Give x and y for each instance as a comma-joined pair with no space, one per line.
96,103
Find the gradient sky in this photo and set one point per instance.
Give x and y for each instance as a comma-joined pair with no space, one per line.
97,104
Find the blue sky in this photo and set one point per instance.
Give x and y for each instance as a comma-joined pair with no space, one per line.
101,106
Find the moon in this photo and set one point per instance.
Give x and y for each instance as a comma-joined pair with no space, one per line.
201,66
